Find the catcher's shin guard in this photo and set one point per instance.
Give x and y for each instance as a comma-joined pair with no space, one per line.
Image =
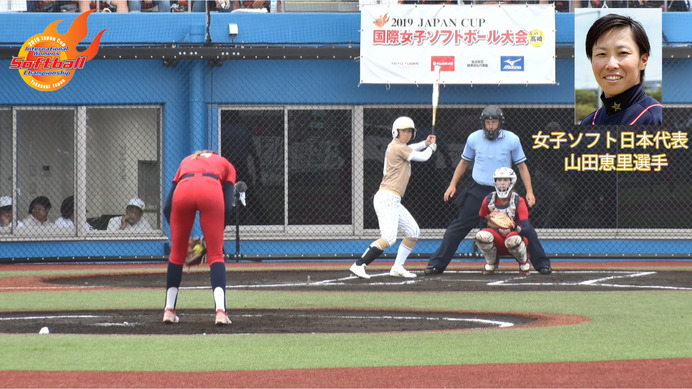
484,241
515,245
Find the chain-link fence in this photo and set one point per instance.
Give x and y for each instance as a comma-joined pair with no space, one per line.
84,171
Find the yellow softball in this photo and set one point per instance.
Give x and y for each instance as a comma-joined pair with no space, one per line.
198,249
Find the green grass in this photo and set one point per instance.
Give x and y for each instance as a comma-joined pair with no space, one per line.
624,325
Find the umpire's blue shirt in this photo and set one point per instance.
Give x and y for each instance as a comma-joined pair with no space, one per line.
490,155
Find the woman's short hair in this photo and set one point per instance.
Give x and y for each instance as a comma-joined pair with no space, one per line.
611,21
41,200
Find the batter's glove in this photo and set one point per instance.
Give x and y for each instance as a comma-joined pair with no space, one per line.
196,252
500,220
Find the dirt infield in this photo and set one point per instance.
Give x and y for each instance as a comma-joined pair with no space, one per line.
259,321
250,321
450,281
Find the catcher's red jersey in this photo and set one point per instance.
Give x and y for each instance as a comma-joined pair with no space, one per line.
200,178
517,212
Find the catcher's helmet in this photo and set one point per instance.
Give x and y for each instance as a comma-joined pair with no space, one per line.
401,123
504,172
492,112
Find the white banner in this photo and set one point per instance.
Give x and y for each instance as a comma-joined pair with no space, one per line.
479,44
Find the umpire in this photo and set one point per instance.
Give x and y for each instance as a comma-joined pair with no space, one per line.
488,150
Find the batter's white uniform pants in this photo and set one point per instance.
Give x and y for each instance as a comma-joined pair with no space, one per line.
392,216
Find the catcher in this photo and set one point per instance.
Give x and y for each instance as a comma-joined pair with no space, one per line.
499,234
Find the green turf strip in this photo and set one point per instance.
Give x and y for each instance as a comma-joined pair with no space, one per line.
624,325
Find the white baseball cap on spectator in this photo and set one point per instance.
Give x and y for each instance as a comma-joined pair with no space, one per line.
5,201
137,202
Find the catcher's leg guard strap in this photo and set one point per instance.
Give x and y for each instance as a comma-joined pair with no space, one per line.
484,240
515,245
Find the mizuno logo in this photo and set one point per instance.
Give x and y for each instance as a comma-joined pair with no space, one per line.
512,64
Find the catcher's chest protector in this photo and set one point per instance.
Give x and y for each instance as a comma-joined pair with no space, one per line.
509,210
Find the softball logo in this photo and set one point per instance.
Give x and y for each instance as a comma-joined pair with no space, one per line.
381,21
48,61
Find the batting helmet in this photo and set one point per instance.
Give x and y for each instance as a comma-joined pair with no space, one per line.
401,123
504,172
492,112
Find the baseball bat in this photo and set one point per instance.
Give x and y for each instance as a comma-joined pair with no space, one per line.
435,97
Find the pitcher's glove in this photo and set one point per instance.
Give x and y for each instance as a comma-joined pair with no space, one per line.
500,220
196,252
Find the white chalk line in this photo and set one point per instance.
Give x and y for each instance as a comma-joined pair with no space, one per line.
50,287
57,317
501,324
599,282
46,317
497,323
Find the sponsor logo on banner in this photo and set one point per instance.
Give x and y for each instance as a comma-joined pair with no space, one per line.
512,64
47,61
404,43
477,63
446,63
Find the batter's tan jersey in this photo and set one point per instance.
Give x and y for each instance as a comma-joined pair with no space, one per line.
397,167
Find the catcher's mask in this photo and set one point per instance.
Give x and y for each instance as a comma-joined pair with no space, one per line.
504,188
492,112
401,123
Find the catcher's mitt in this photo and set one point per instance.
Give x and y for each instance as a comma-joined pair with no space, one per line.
500,220
196,252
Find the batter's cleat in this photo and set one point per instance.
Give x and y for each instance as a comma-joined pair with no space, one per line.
432,270
359,271
399,271
525,269
488,269
222,318
545,270
169,316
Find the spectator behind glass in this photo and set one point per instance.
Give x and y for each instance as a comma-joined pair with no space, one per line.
254,5
560,6
132,220
679,5
66,218
120,5
38,213
51,6
136,5
217,5
6,215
